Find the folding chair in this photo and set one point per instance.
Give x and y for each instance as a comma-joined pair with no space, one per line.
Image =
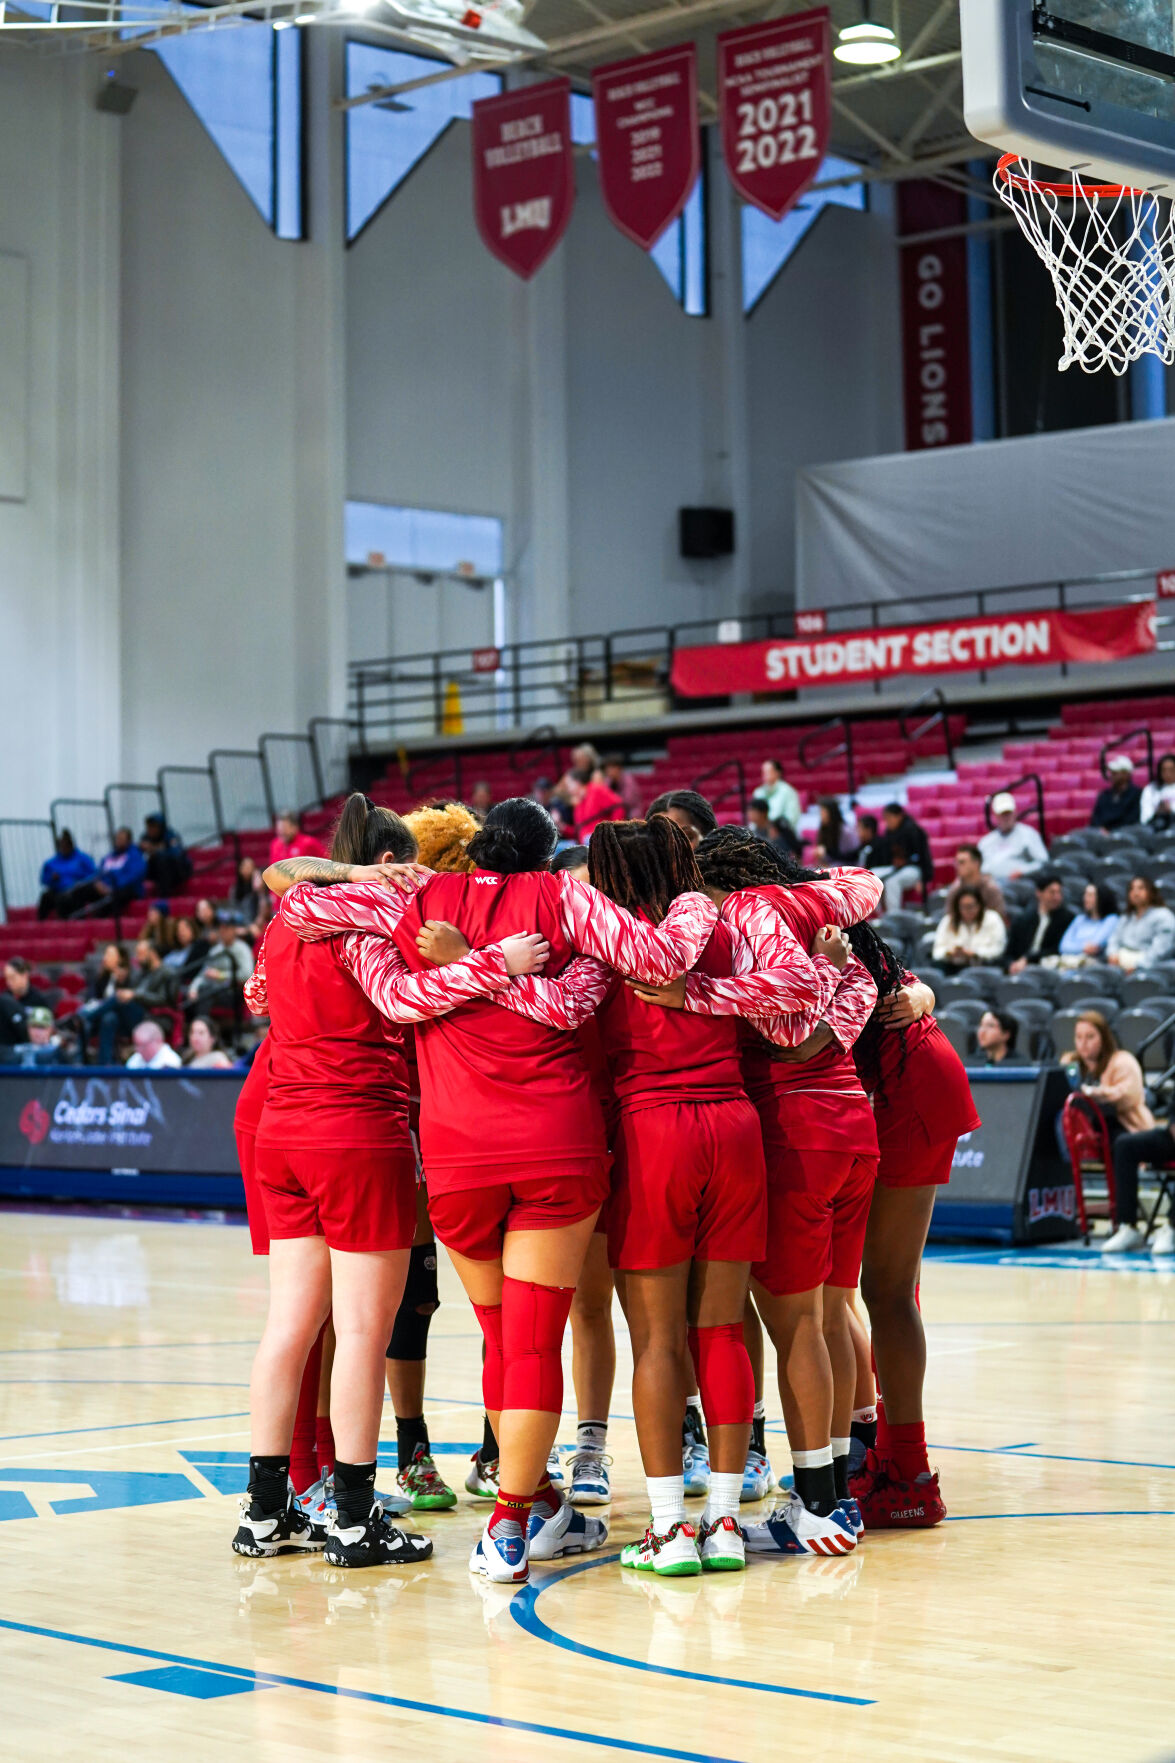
1088,1139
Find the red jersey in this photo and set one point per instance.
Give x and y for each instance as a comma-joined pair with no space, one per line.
919,1086
251,1100
337,1074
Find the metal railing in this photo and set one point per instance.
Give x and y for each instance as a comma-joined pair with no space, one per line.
1124,741
24,846
844,747
738,789
128,804
940,718
88,820
1030,777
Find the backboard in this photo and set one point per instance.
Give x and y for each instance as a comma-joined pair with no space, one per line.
1075,84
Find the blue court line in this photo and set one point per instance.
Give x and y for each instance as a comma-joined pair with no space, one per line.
522,1609
354,1695
1049,1456
121,1426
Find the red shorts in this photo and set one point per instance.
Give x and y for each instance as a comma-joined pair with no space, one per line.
689,1182
916,1163
473,1221
254,1203
359,1197
817,1210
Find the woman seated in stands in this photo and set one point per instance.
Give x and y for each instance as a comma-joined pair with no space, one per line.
204,1052
206,919
1106,1075
159,927
186,957
836,838
1145,934
968,932
1085,940
1157,807
996,1037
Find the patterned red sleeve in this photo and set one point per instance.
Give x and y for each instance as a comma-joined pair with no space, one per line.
852,1005
256,992
565,1002
779,980
654,954
404,996
850,895
313,913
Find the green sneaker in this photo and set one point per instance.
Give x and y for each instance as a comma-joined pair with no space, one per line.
424,1486
674,1555
482,1479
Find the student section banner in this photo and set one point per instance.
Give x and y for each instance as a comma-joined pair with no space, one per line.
523,175
1015,639
774,104
647,140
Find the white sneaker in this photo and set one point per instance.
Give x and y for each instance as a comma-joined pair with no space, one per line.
756,1477
1163,1241
792,1530
674,1555
555,1468
590,1482
565,1532
723,1549
1125,1240
502,1559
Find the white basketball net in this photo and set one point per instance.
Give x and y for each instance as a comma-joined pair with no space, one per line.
1111,253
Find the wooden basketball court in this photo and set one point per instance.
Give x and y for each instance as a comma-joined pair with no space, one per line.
1035,1624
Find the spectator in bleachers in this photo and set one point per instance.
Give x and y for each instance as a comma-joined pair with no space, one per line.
247,888
205,1052
573,861
782,801
227,965
168,864
583,758
118,881
1145,933
901,856
152,1052
619,778
1157,805
593,801
19,996
481,799
1156,1147
836,837
187,957
290,841
105,1015
68,868
969,874
44,1045
1108,1075
775,832
996,1036
968,932
159,927
688,810
1086,938
153,985
543,793
1120,802
1011,848
868,835
206,919
1037,931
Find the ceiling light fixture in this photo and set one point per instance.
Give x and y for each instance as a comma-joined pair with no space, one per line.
866,44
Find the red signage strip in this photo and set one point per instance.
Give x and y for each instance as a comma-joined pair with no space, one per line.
523,174
1017,639
936,330
647,140
774,104
1165,584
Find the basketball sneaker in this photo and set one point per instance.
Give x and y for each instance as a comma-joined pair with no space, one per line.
375,1543
695,1464
722,1547
422,1482
792,1530
555,1468
482,1478
851,1511
1164,1239
288,1532
756,1477
888,1503
591,1484
504,1559
1124,1241
673,1556
318,1503
565,1532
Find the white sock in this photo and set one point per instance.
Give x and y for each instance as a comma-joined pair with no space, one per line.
865,1416
591,1435
724,1492
812,1459
694,1402
760,1410
666,1501
840,1447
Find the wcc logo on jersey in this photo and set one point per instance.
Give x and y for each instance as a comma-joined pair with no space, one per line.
517,217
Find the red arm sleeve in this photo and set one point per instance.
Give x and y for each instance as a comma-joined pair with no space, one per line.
256,992
565,1002
850,895
403,996
655,954
312,913
852,1005
778,981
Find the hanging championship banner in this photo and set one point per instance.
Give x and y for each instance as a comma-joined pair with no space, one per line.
647,140
523,175
774,101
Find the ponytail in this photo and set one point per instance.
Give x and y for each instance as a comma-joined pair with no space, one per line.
518,835
364,832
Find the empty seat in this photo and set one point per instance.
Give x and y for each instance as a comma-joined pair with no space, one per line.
1136,1025
1034,1016
959,1033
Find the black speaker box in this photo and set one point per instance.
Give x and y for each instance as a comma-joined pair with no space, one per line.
706,532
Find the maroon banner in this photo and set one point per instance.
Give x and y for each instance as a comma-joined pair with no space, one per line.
774,100
1165,584
647,140
1017,639
523,176
936,325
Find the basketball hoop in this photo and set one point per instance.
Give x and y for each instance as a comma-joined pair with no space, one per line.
1111,253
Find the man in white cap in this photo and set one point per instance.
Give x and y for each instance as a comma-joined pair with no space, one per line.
1120,803
1011,848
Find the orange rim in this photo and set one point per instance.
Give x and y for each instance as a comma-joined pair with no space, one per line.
1069,192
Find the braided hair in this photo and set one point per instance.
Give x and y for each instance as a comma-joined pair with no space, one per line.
889,975
643,865
733,858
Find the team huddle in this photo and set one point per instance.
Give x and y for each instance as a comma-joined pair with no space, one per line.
675,1063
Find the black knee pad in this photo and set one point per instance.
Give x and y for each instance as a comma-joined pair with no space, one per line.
410,1334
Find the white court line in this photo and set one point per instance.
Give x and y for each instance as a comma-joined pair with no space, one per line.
206,1438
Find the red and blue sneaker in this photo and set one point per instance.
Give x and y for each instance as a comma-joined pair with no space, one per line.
792,1530
503,1558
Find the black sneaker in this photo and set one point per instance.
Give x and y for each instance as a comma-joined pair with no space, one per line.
289,1532
377,1543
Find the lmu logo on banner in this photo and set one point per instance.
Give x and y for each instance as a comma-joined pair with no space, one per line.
774,100
523,176
647,140
936,327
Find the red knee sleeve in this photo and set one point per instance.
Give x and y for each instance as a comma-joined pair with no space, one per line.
303,1452
490,1317
533,1320
725,1379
